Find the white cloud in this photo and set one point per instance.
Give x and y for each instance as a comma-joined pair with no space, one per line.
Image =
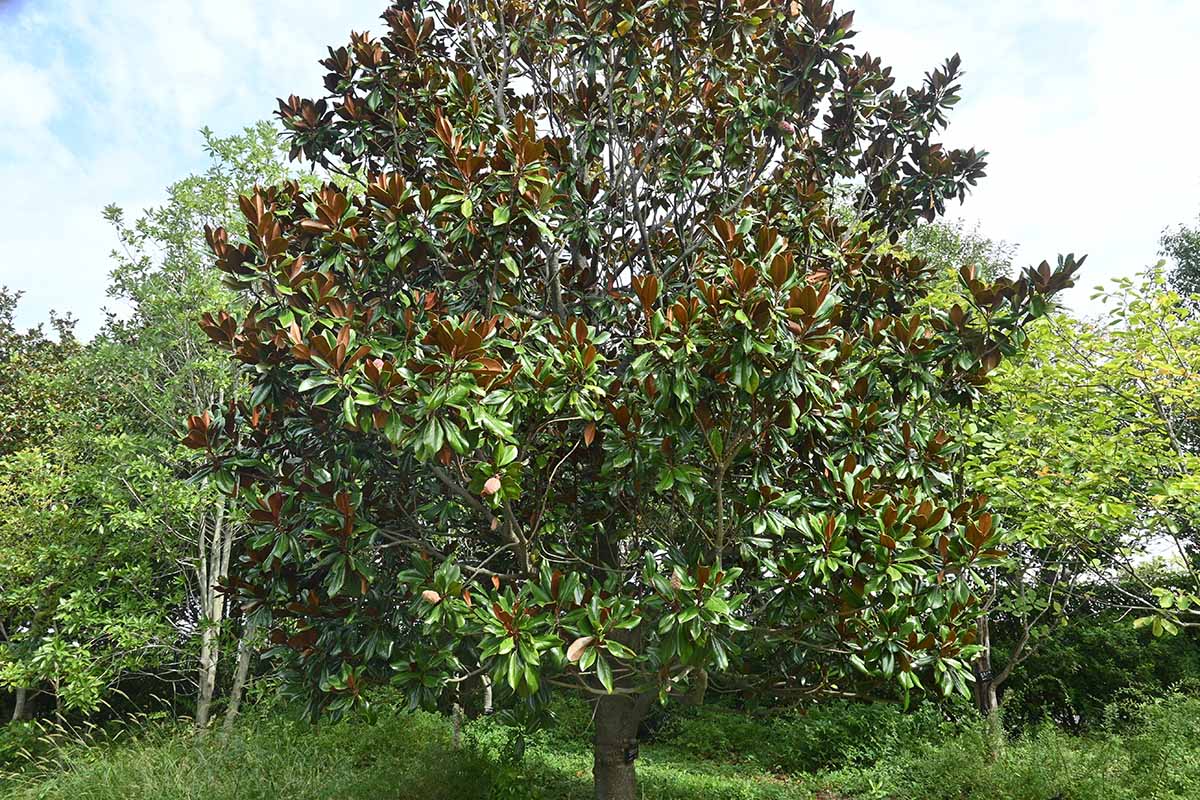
1085,108
103,102
27,95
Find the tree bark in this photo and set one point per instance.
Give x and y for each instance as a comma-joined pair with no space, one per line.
457,725
213,565
19,704
986,698
616,721
242,671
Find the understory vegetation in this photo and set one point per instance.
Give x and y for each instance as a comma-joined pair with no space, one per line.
1141,749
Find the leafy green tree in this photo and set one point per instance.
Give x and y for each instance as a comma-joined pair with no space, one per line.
1087,451
113,557
75,555
154,365
1182,246
582,382
1091,659
947,246
28,412
88,587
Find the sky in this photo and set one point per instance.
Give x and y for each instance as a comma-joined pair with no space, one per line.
1085,106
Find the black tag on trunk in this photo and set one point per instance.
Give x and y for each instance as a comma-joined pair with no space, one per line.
631,752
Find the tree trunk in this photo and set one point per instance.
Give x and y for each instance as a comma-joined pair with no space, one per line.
615,746
19,704
242,671
456,716
208,673
487,695
986,698
457,725
213,565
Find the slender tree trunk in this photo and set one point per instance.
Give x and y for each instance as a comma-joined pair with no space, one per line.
487,694
19,704
456,713
246,647
214,563
986,698
208,673
615,745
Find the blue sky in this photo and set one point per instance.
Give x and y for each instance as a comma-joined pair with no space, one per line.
1087,108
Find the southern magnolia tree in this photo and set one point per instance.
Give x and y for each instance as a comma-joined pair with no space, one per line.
584,382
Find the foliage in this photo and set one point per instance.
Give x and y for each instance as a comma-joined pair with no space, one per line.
587,384
30,410
829,735
948,246
1182,246
163,275
97,507
85,561
1089,451
1089,661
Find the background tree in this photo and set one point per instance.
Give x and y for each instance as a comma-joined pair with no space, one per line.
163,275
1181,245
112,555
1086,447
583,383
27,411
81,565
87,582
29,415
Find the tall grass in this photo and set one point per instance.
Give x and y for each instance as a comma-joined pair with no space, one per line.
1151,753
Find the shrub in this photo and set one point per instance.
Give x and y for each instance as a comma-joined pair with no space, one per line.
831,735
1093,663
1153,754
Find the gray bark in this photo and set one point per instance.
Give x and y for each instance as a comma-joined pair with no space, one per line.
986,683
19,704
214,562
616,721
246,647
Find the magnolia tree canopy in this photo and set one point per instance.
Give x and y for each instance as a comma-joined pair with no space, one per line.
577,375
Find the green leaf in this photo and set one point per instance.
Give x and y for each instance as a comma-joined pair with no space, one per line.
717,604
325,395
617,649
604,673
500,215
313,382
531,678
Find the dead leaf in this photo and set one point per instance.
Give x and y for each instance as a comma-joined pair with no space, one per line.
575,651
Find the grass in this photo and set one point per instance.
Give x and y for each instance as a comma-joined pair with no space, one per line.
411,756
